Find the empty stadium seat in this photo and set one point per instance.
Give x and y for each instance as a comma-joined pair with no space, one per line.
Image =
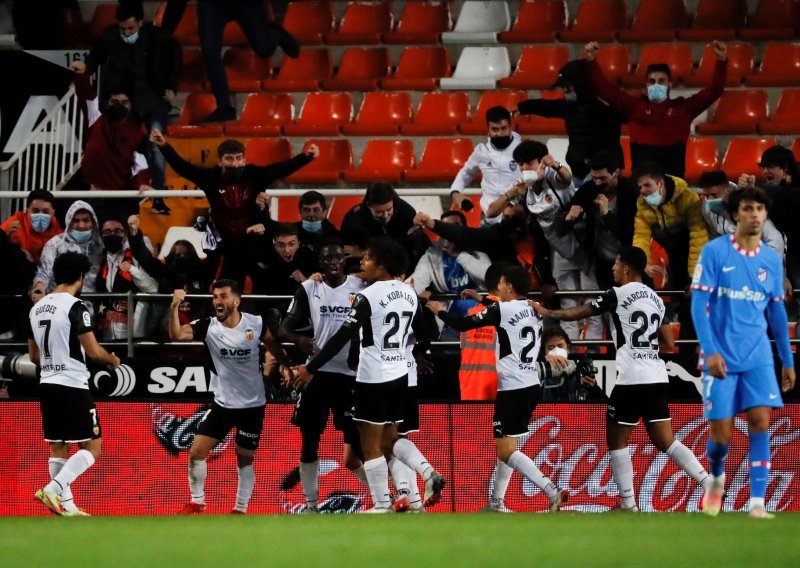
381,114
422,22
264,114
285,208
716,19
779,67
186,33
736,112
677,55
438,114
196,106
265,151
308,22
537,68
476,125
323,114
104,15
743,155
245,70
340,205
335,157
193,71
478,68
383,160
360,69
740,64
701,156
625,142
557,147
420,68
479,22
74,28
362,23
303,73
773,20
615,61
786,117
796,149
656,20
597,20
537,22
533,124
441,159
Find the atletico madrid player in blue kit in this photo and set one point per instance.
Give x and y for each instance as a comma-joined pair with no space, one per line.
737,290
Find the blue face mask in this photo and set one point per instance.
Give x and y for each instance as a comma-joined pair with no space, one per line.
131,39
571,96
80,237
657,93
654,199
715,205
312,226
40,221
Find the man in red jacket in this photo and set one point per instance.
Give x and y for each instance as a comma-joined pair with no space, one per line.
658,125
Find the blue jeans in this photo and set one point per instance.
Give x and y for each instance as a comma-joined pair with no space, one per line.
157,164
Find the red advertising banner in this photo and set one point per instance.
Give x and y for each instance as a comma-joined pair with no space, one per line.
143,470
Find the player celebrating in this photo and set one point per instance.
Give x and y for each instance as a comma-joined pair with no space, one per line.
325,304
736,284
517,343
62,337
233,340
642,386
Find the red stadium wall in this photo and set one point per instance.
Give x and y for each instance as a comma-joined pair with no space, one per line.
143,469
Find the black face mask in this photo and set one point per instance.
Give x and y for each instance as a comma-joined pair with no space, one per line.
231,174
182,263
116,112
113,243
501,142
514,227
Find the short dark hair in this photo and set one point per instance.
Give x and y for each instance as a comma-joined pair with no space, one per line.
604,160
229,146
311,197
130,9
659,68
556,330
285,230
648,169
518,277
378,193
42,194
69,267
712,178
454,213
389,254
633,257
492,277
777,155
529,150
235,287
325,243
115,216
747,194
497,114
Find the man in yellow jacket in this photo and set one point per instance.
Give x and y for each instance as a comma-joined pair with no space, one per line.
668,212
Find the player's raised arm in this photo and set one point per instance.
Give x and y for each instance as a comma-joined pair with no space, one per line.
178,332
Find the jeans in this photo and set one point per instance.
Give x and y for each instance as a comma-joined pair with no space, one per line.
157,164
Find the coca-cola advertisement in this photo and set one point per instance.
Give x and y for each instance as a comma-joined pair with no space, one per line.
143,469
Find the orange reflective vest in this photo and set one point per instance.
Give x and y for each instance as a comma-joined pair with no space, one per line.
478,373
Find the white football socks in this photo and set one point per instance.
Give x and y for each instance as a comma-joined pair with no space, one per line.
378,478
405,481
689,463
622,472
309,477
523,464
405,450
198,470
244,488
55,465
502,477
74,466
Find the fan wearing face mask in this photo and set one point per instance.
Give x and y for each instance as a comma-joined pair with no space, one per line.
32,228
313,225
659,125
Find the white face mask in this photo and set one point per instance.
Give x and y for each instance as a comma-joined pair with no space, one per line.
530,176
558,352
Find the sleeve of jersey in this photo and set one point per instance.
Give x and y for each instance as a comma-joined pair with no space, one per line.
80,318
200,328
299,308
489,316
704,282
604,303
778,320
359,313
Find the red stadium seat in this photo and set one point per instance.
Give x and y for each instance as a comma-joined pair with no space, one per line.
625,142
796,149
677,55
597,20
656,20
265,151
419,69
384,160
308,22
615,61
743,155
323,114
441,159
740,64
786,118
533,124
193,71
381,114
422,22
264,114
438,114
537,22
104,15
476,126
716,19
773,20
187,31
362,23
303,73
196,106
537,68
245,70
360,69
340,205
335,158
74,28
779,67
736,112
701,156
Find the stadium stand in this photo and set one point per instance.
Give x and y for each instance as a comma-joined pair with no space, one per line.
422,22
479,22
264,114
309,22
438,114
380,114
537,22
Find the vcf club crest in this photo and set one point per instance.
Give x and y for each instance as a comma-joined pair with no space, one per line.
121,383
249,334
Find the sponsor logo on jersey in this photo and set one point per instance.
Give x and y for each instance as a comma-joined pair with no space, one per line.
744,294
762,274
87,319
124,380
334,309
249,335
226,352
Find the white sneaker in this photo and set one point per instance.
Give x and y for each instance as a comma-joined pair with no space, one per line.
309,510
496,507
559,499
377,511
759,512
49,500
76,513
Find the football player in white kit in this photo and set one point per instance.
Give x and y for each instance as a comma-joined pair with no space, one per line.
61,328
325,304
642,386
517,344
233,339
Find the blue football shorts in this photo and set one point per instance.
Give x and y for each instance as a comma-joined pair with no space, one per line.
725,398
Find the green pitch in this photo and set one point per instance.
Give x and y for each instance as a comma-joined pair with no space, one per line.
565,539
